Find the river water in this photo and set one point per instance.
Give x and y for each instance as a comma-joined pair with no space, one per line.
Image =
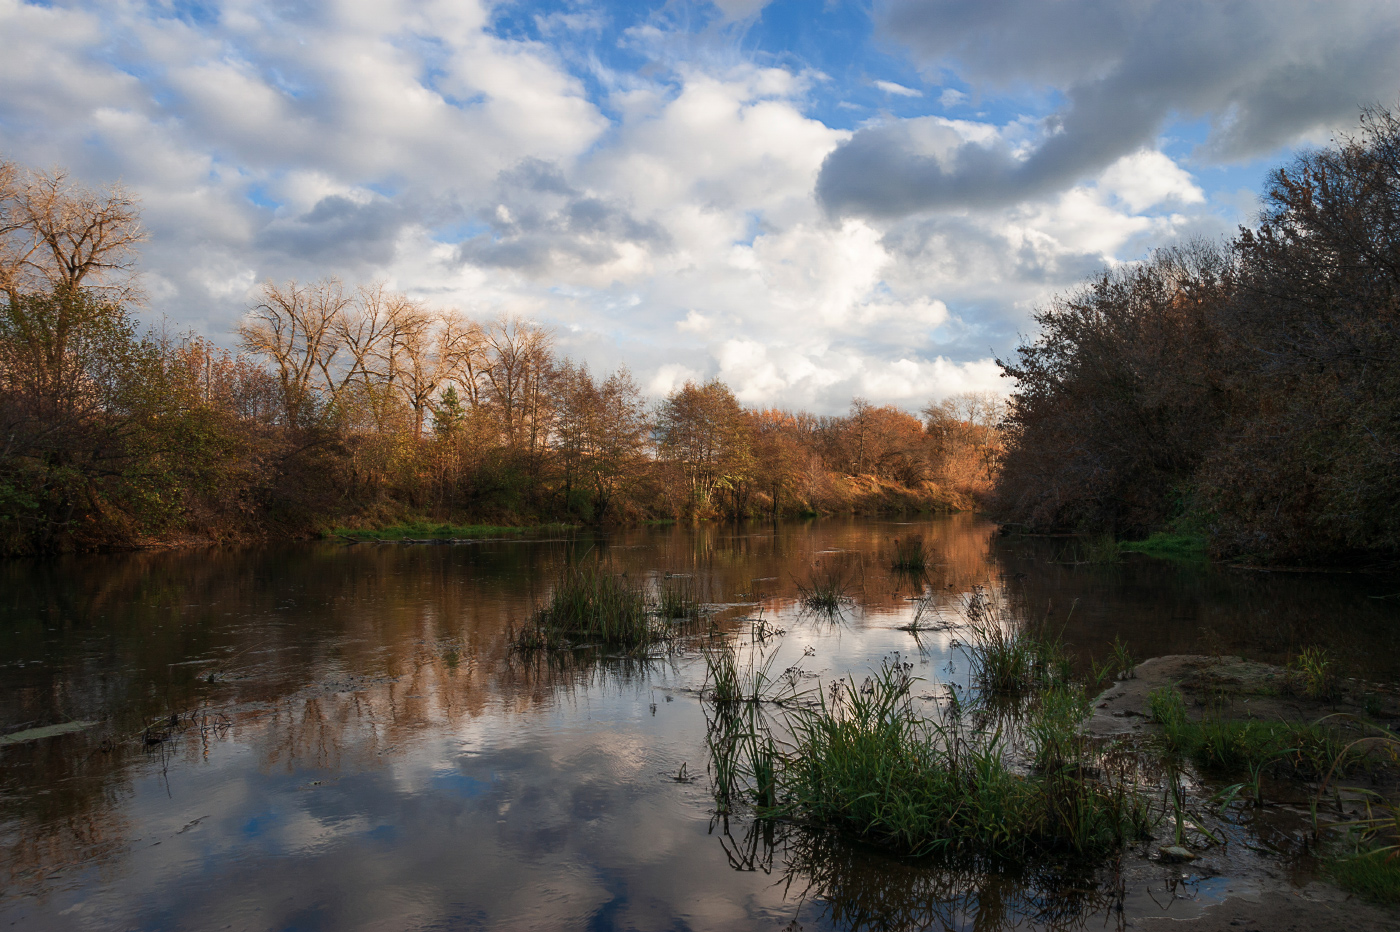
331,736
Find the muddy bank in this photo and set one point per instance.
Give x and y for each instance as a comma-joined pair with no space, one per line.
1282,891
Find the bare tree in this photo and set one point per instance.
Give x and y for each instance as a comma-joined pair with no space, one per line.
433,354
297,328
518,363
57,234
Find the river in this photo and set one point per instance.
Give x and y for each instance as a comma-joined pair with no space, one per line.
331,736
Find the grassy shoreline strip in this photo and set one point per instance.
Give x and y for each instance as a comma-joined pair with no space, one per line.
1182,548
430,530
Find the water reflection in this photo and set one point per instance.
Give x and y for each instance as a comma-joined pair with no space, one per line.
354,744
858,889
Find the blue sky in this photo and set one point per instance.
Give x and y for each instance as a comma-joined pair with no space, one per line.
812,200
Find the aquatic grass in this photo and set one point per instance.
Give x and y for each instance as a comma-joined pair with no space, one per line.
743,754
1101,549
589,605
678,598
1008,658
826,592
864,761
1379,829
432,530
1182,548
1123,660
846,891
909,555
1217,743
1372,874
726,681
1052,727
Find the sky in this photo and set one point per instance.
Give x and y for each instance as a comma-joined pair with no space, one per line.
810,200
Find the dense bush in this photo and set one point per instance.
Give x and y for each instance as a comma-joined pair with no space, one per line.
1251,392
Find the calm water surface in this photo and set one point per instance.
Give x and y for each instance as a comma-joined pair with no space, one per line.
355,747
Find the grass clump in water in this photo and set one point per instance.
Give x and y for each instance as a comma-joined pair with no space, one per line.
591,606
825,593
1009,659
864,761
677,599
909,555
1052,727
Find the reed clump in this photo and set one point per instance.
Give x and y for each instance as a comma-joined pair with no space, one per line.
726,681
909,555
862,760
866,762
591,606
1009,659
677,598
825,592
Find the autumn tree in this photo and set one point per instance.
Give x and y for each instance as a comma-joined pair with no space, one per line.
300,330
600,436
964,435
1308,462
57,235
703,433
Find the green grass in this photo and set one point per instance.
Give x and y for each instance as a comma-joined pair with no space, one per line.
1052,727
1215,743
727,682
1374,874
591,606
428,530
1183,548
863,761
1314,673
678,597
1008,658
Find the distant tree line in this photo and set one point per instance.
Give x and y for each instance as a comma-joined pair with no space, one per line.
1249,392
361,406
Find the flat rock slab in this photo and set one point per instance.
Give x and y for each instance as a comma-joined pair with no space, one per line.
1228,686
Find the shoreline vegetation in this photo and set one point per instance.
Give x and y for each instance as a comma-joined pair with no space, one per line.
434,530
350,408
1169,756
1235,402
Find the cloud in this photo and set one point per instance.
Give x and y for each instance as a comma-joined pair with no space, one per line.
899,90
951,98
1263,73
658,185
740,9
538,220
